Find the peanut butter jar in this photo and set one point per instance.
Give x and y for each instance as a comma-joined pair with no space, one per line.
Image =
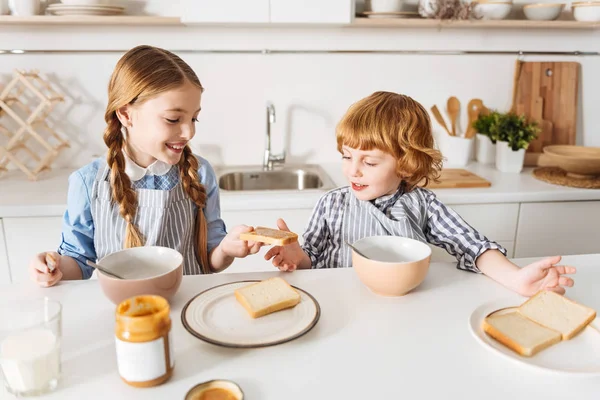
143,341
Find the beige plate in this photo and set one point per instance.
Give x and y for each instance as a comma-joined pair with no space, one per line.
215,316
578,356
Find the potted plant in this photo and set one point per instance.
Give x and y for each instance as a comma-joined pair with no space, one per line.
485,141
513,133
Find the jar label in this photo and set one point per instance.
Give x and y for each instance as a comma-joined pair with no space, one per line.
141,362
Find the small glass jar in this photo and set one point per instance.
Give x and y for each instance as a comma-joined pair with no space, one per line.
143,341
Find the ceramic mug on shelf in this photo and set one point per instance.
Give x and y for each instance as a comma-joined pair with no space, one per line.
24,8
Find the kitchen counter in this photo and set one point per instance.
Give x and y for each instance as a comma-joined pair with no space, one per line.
364,346
47,197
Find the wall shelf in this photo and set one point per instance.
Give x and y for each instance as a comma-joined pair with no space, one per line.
479,24
135,20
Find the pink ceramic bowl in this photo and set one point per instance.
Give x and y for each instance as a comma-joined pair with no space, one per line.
149,270
395,265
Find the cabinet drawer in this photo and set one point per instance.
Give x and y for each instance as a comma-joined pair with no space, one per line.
559,228
498,222
25,237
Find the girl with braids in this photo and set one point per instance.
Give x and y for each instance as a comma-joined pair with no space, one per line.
150,189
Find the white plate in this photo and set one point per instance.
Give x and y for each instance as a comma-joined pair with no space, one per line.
578,356
84,7
215,316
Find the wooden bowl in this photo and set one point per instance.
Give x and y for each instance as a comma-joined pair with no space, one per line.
578,161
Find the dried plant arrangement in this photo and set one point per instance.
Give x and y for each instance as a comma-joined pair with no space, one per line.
447,9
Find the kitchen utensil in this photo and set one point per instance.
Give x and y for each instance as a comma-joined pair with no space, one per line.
438,117
453,106
102,269
578,161
396,264
146,270
356,250
454,178
556,84
474,108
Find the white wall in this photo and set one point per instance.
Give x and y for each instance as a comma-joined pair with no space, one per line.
310,91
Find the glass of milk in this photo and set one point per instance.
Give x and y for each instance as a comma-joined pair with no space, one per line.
30,346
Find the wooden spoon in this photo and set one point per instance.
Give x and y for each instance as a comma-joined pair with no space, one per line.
474,108
453,106
438,117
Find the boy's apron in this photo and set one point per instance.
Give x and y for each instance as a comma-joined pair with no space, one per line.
164,217
363,219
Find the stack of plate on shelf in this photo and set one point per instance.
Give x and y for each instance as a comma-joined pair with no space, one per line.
97,9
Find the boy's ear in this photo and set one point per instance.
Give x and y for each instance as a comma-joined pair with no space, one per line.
124,115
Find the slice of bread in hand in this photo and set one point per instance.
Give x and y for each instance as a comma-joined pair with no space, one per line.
270,236
267,296
557,312
520,334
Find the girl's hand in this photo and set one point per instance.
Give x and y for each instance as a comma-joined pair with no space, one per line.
232,246
544,275
288,257
44,269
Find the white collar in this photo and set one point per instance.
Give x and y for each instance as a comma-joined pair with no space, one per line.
135,172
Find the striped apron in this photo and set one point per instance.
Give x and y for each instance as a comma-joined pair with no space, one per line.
164,217
363,219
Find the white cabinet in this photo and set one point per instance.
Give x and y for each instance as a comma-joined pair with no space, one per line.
312,11
497,222
547,229
225,11
25,237
4,269
296,220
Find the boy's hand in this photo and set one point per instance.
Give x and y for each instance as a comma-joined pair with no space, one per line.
544,275
234,247
44,269
288,257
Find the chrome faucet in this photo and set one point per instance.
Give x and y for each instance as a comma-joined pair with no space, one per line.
269,158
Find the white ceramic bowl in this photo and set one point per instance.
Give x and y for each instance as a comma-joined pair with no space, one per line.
586,12
394,265
384,5
148,270
543,11
492,10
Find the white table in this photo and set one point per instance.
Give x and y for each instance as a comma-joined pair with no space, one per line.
364,347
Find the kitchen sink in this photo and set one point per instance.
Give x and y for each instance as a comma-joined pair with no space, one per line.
287,177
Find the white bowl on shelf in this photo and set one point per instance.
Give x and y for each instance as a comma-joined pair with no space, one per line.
87,2
492,10
586,11
543,11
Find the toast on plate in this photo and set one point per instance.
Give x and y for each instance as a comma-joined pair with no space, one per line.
266,297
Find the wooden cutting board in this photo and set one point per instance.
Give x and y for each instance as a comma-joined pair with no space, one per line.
547,92
459,178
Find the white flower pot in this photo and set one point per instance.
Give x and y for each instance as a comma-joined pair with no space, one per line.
486,150
508,160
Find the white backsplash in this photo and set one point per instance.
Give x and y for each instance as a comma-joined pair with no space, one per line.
310,91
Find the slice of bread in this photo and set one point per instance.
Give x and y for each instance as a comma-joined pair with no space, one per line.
557,312
520,334
51,261
270,236
267,296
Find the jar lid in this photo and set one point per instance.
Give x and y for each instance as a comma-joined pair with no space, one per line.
227,390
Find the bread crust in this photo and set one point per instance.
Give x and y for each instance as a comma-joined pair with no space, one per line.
579,327
514,346
270,236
